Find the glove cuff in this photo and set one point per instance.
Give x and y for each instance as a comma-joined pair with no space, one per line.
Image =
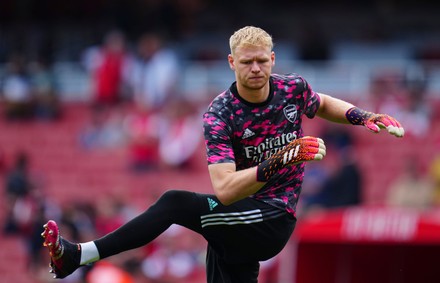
262,175
357,116
267,168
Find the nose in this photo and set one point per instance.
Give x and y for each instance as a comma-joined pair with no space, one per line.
255,67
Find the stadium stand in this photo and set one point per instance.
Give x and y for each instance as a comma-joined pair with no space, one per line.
69,173
402,35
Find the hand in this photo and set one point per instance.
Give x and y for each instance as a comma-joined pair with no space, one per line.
297,151
375,122
303,149
383,121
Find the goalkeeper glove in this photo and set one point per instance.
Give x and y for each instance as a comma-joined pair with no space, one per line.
374,122
297,151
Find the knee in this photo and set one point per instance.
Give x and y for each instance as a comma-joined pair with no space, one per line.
173,197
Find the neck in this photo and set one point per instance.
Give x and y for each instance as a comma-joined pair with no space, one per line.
254,95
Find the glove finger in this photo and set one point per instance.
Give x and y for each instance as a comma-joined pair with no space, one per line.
389,121
308,139
393,121
312,150
301,157
312,147
320,155
314,153
305,149
311,144
396,131
318,142
305,142
322,151
400,131
309,156
322,144
393,126
372,126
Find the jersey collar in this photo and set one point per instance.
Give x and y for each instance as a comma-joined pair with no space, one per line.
233,89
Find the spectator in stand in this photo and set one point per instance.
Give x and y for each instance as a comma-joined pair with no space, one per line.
18,182
179,135
411,189
44,90
176,257
107,65
434,173
25,209
339,180
47,104
153,72
344,185
33,235
416,112
104,130
16,89
404,97
109,215
141,128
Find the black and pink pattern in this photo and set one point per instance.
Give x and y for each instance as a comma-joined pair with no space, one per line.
247,134
357,116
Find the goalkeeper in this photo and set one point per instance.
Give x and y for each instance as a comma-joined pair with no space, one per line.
256,151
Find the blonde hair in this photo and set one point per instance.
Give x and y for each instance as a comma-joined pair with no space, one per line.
250,35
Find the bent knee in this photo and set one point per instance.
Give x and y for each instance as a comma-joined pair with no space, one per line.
174,197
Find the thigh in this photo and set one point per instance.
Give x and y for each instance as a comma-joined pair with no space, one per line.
246,231
219,271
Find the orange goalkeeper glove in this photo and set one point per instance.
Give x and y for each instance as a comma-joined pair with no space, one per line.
297,151
374,122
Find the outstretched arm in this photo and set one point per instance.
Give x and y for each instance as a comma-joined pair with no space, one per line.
337,110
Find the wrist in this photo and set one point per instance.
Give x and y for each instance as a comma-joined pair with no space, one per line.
357,116
263,172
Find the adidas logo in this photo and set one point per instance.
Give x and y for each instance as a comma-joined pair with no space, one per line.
212,204
247,134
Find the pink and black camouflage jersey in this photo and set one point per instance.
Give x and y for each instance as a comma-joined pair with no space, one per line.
248,133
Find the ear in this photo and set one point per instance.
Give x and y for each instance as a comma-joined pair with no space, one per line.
272,57
231,62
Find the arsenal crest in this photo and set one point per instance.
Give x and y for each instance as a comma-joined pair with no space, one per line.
290,112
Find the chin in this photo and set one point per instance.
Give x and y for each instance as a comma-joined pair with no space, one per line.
257,86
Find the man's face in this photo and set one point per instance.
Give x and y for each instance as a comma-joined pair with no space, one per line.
252,66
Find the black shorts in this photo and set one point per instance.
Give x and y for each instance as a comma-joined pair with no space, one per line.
240,236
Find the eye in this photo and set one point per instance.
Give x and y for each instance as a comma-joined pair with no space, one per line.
263,61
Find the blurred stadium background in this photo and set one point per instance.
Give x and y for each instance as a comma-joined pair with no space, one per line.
67,154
